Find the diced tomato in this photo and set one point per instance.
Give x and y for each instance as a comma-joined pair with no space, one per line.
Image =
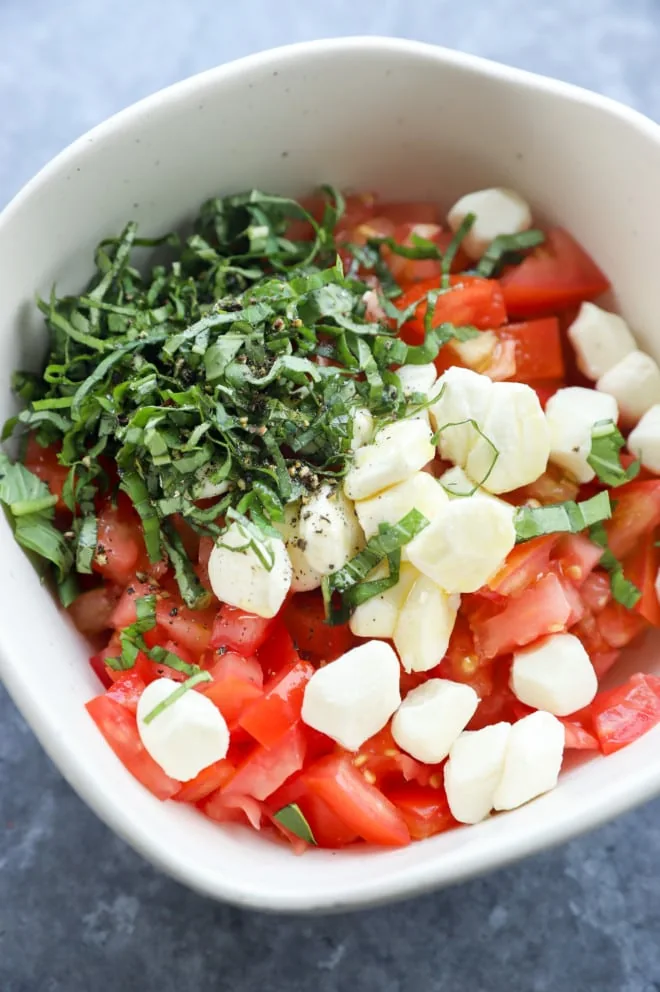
538,350
236,684
43,463
623,714
619,626
127,689
190,629
462,661
641,568
381,757
207,781
97,664
91,611
577,557
577,738
425,810
470,300
304,617
328,829
277,651
203,556
556,275
603,661
637,512
269,718
360,805
573,598
239,630
499,704
596,591
233,808
119,727
125,613
266,769
120,547
409,270
524,565
541,609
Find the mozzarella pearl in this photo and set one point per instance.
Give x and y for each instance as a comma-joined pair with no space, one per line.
554,674
571,414
532,760
644,440
497,211
378,616
419,492
397,452
634,382
431,717
474,770
424,625
600,339
329,530
240,578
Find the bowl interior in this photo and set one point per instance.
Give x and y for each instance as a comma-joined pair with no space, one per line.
408,121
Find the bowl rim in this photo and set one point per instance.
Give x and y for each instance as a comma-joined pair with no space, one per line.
428,875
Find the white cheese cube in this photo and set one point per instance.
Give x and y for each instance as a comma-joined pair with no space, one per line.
329,530
378,616
600,339
363,428
417,378
397,452
554,674
474,770
464,396
420,492
644,440
532,760
497,211
571,414
634,382
515,429
431,717
251,572
188,735
352,698
424,625
304,577
465,546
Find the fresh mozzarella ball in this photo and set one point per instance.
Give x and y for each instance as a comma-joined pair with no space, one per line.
352,698
644,440
424,625
571,414
497,211
304,576
465,546
329,529
187,736
419,492
532,760
600,339
378,616
474,770
463,396
363,428
634,382
397,452
554,674
417,378
431,717
516,426
240,578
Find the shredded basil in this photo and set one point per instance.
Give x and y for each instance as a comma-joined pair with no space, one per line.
623,590
177,693
293,819
568,517
605,455
507,248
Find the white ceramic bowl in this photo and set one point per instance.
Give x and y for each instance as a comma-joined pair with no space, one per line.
410,121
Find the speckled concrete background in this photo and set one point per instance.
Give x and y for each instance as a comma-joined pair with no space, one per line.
78,910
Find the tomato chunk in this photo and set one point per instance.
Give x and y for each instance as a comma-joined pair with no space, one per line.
205,782
425,810
266,769
239,630
577,557
277,651
127,689
524,565
641,568
470,300
618,626
304,617
541,609
92,611
279,707
623,714
556,275
119,727
236,684
43,463
637,512
538,350
120,547
328,829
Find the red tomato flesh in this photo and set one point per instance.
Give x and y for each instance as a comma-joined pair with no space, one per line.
623,714
266,769
278,708
239,630
538,349
541,609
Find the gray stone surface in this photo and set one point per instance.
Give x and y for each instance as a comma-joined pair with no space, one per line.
79,911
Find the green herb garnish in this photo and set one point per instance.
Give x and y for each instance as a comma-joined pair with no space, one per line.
569,517
623,590
506,248
605,455
291,817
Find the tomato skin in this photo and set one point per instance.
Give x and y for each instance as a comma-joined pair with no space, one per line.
119,727
361,806
382,757
43,463
328,829
205,782
92,611
304,617
577,557
623,714
235,685
279,707
596,591
425,810
618,626
524,565
239,630
538,349
471,300
120,547
555,276
641,568
189,629
277,651
127,689
637,512
541,609
225,808
266,769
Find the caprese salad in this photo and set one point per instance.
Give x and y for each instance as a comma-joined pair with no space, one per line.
357,505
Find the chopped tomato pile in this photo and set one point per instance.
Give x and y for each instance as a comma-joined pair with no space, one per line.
513,647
